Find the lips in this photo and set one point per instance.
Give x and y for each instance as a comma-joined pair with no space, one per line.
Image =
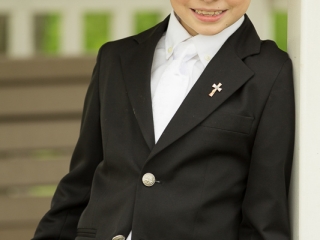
208,13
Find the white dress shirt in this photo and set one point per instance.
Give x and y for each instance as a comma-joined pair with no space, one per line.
206,48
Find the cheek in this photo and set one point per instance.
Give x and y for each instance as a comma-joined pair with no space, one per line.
182,2
236,2
239,7
240,4
179,3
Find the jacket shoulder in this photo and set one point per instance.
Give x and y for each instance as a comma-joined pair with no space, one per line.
117,46
124,44
271,53
269,61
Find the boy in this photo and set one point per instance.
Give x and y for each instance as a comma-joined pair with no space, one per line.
187,133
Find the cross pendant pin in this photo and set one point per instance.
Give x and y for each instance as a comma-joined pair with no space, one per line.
216,88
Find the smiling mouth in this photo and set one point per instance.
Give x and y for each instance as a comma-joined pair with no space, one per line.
208,13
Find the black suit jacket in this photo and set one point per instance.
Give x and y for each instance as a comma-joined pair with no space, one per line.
222,165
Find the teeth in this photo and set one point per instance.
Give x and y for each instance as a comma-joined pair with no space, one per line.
205,13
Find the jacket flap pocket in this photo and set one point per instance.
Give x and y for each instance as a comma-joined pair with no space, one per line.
86,232
228,121
84,238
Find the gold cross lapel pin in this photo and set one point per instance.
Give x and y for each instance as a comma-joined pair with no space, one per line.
216,88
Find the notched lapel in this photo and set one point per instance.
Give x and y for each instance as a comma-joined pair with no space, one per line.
136,65
226,68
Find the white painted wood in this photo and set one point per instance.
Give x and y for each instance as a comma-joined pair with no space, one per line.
304,48
21,12
260,13
72,32
166,11
123,24
20,33
88,4
280,4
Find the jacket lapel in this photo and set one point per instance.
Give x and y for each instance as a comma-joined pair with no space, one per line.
137,65
228,68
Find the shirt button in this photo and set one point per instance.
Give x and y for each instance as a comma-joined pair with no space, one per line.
119,237
207,58
170,50
148,179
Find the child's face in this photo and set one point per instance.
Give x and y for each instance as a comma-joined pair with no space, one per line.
209,17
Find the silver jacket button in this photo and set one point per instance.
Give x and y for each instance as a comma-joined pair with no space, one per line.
119,237
148,179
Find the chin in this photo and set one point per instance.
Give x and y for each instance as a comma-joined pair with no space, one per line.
209,32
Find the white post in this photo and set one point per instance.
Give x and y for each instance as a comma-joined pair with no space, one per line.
21,33
304,49
260,13
123,23
72,32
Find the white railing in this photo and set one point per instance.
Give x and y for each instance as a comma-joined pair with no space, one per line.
21,27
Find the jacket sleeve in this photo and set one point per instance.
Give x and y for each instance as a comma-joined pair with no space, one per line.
265,205
73,192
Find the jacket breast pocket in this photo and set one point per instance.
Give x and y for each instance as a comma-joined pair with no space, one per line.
86,233
229,122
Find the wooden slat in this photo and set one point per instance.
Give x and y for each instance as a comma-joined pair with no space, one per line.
42,99
19,210
39,134
45,68
31,172
18,233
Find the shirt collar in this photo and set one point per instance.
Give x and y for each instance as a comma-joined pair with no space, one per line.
176,34
207,46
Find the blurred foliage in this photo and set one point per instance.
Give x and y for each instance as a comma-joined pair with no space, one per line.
145,20
281,27
48,31
97,30
42,191
45,154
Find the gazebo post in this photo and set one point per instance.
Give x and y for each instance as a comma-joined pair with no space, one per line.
304,49
20,34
